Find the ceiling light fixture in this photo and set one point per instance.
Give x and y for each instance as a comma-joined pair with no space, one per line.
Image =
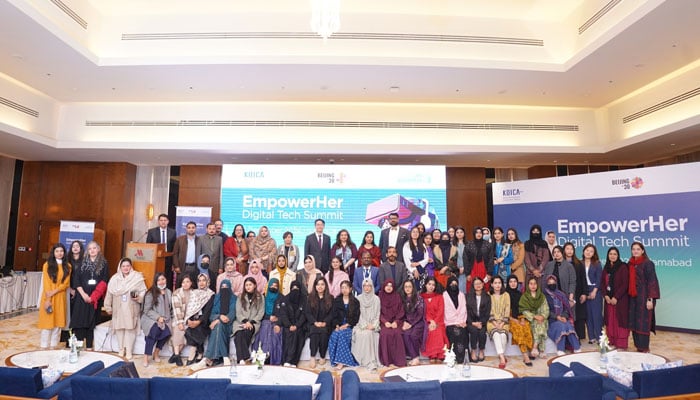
325,17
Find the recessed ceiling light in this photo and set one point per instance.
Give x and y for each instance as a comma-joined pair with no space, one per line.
555,161
324,87
191,87
610,81
673,144
503,91
638,65
48,74
18,57
394,89
114,88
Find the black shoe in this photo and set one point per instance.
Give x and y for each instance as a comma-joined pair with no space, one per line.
190,362
529,363
178,361
172,359
216,362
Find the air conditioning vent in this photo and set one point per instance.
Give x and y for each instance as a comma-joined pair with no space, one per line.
592,20
72,14
336,36
339,124
662,105
19,107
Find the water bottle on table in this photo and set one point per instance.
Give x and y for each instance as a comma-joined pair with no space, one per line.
466,367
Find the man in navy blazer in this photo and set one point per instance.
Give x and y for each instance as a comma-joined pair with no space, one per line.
164,234
318,244
394,236
366,270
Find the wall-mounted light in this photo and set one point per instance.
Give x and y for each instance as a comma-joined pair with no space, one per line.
150,212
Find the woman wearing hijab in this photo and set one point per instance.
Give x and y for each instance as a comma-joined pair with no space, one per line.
414,322
55,280
125,293
90,287
479,262
255,272
319,316
533,305
519,326
250,309
391,318
308,275
536,254
436,338
456,318
478,314
561,318
223,313
444,264
232,275
291,310
197,315
264,248
365,335
346,314
270,337
284,275
156,317
643,292
616,311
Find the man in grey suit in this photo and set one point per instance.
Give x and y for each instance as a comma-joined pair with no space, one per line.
163,234
318,244
393,269
210,243
394,236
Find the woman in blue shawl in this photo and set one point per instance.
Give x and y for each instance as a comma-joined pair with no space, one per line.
561,318
223,313
270,337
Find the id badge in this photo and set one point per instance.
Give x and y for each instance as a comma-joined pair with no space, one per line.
125,298
92,282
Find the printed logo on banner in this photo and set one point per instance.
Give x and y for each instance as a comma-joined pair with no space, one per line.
253,174
331,177
512,194
629,183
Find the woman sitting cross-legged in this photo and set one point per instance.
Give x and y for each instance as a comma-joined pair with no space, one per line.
223,313
561,325
250,309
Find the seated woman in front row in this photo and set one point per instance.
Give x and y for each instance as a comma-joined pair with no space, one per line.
223,313
534,307
346,314
270,337
561,318
250,309
365,335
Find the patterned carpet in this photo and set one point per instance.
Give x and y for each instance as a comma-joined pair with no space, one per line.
19,333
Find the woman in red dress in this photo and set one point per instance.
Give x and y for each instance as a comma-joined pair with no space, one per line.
616,310
436,337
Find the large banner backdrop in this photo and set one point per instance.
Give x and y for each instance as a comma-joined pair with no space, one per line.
353,197
658,206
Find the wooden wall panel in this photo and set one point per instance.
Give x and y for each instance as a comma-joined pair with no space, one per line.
466,197
578,169
54,191
200,185
541,171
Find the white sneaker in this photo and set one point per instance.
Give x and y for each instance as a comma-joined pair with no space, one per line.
242,362
577,351
560,353
200,365
289,365
227,361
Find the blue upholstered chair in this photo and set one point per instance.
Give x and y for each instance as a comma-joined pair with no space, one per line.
353,389
24,382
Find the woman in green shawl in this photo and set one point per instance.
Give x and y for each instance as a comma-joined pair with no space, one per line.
533,306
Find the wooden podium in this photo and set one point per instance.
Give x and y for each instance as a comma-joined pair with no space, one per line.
147,258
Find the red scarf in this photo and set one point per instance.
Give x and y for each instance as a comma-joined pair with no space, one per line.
633,262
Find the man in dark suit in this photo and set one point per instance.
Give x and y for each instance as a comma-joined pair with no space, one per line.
318,244
164,234
394,236
186,252
392,269
212,245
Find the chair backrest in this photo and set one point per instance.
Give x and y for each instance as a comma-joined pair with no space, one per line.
511,389
104,388
268,392
21,382
185,388
667,382
574,388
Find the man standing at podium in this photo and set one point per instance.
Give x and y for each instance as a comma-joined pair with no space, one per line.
166,235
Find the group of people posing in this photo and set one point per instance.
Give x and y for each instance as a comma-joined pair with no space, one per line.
413,295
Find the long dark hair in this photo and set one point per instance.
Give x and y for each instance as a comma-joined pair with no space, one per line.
250,298
409,303
455,241
315,301
330,270
76,263
419,242
364,238
233,232
351,296
155,292
438,287
52,269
